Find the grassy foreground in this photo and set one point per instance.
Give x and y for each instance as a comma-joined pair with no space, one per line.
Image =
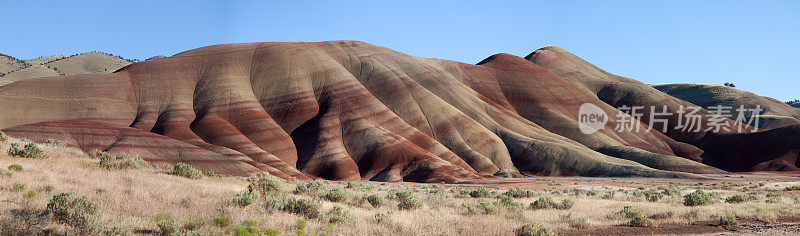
70,192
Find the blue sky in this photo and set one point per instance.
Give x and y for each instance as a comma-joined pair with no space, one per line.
753,44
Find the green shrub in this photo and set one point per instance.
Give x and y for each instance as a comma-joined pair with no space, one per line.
509,203
222,222
548,203
337,215
640,221
167,225
53,142
308,187
302,206
193,225
578,223
482,208
728,220
185,170
79,212
246,197
698,198
662,215
519,193
30,194
336,195
408,200
793,187
773,200
15,167
265,184
740,198
19,186
533,230
3,137
479,192
31,150
49,188
375,200
301,227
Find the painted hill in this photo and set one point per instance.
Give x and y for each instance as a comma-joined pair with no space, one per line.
350,110
85,63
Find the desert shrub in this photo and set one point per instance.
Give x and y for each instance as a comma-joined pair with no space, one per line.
575,222
128,161
18,186
193,225
519,193
15,167
509,204
265,184
691,216
308,187
168,226
79,212
662,215
302,206
565,204
336,195
479,192
337,215
727,220
30,150
640,221
185,170
407,200
53,142
773,200
740,198
533,230
30,194
3,137
222,222
246,197
375,200
212,174
698,198
793,187
543,203
49,188
482,208
669,190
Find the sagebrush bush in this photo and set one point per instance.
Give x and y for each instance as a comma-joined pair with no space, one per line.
740,198
79,212
111,162
19,186
265,184
15,167
519,193
246,197
53,142
222,222
482,208
698,198
479,192
30,194
302,206
185,170
728,220
308,187
30,150
407,200
533,230
375,200
3,137
336,195
337,215
548,203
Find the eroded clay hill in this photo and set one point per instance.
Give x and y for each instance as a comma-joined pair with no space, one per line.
349,110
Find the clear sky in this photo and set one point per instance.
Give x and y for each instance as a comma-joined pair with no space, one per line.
753,44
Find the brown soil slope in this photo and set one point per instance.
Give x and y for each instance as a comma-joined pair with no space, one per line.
349,110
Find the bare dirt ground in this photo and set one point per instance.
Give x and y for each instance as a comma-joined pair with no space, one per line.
131,199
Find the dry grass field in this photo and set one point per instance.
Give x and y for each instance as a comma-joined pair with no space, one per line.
158,201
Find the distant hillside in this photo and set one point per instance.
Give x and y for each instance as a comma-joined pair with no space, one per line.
776,113
12,69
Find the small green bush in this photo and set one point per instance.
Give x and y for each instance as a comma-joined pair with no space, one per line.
793,187
3,137
30,194
375,200
187,171
79,212
246,197
15,167
509,203
49,188
479,193
222,222
336,195
19,186
698,198
640,221
53,142
193,225
308,187
265,184
302,206
519,193
31,150
534,230
740,198
167,225
337,215
408,200
543,203
482,208
728,220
